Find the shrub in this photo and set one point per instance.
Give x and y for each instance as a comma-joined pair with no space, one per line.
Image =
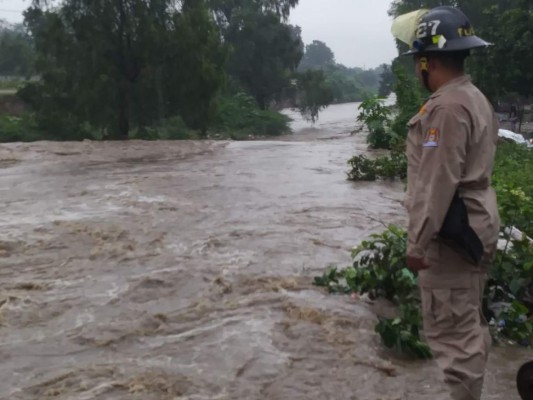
238,116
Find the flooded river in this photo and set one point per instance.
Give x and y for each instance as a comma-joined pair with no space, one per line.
183,270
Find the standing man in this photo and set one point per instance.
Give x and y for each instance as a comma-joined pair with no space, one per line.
453,217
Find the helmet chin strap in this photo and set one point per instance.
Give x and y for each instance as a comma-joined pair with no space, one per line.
424,69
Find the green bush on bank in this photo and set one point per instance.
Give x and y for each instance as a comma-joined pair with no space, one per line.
387,125
18,129
379,270
391,166
377,118
170,129
26,128
237,117
11,84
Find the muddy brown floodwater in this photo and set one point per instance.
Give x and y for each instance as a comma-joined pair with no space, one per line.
183,270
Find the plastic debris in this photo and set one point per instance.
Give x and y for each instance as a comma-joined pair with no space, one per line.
515,137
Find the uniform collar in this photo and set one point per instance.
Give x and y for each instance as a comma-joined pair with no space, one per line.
460,81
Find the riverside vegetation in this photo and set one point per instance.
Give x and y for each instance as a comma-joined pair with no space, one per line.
165,69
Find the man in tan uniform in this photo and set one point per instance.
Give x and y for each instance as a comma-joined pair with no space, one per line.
453,217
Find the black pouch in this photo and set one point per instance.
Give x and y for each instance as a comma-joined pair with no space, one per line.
457,233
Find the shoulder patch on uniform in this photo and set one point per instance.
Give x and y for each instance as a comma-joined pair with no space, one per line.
432,138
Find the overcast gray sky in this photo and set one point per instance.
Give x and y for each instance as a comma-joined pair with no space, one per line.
358,31
11,10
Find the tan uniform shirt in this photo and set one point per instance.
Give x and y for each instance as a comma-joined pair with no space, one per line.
451,144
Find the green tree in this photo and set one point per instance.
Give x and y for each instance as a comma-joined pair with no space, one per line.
225,10
409,99
314,93
504,69
387,81
370,78
344,85
123,63
317,56
16,53
264,49
352,84
264,54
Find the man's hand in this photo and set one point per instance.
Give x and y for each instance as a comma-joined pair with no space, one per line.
416,264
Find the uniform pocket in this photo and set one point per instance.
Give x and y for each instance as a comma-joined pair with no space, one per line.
450,309
436,309
441,307
466,309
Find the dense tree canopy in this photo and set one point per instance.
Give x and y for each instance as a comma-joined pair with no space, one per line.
16,52
114,63
317,56
264,53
